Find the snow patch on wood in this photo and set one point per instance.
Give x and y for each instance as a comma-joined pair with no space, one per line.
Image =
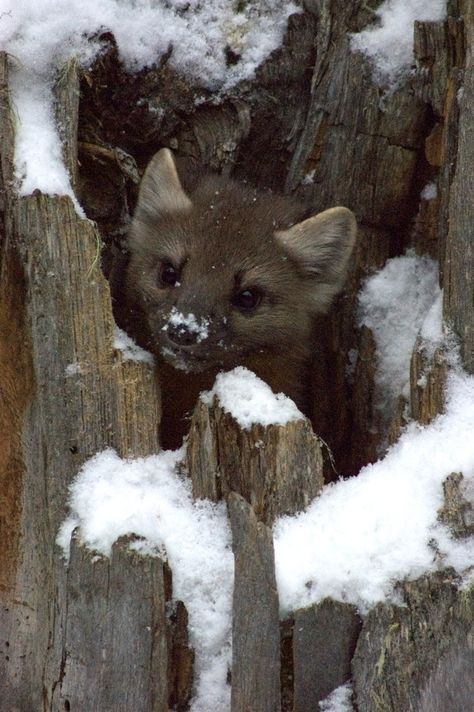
389,42
251,401
41,40
394,304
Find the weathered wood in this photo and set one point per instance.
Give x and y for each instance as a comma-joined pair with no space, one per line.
79,406
277,469
400,646
75,364
255,622
7,123
65,395
180,659
324,640
214,136
401,415
358,147
286,659
440,51
366,435
16,369
115,646
106,177
448,156
428,376
459,262
438,47
451,684
67,115
457,512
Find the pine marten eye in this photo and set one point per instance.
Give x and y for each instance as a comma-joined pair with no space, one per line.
169,275
247,299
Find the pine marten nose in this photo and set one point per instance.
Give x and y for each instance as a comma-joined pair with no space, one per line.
185,329
182,335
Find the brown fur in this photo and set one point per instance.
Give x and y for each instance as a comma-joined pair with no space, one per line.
223,238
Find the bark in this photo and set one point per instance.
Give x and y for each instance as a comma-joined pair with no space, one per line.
428,375
115,639
279,470
66,395
457,511
324,641
255,625
459,261
399,646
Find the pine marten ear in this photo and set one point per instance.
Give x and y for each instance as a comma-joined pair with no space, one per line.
322,245
161,192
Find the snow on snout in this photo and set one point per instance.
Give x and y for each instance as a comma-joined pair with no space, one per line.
188,322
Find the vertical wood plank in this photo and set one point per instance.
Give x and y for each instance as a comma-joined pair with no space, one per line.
459,260
324,640
255,623
115,644
278,469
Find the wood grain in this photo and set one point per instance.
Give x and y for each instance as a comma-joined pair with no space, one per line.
255,620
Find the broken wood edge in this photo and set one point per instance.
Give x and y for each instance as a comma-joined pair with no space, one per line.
278,469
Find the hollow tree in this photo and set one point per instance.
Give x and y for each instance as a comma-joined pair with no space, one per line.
70,634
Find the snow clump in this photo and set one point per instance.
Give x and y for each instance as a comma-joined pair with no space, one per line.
251,401
340,700
389,43
394,303
129,349
188,323
40,36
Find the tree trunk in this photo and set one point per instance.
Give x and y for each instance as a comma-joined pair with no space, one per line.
79,636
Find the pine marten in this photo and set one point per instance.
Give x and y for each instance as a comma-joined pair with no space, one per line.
224,275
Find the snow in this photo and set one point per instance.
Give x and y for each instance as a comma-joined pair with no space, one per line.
340,700
129,349
389,43
39,163
111,497
188,322
365,533
40,38
431,332
429,192
74,369
394,303
308,179
251,401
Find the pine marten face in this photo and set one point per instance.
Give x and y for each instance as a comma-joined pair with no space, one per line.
225,272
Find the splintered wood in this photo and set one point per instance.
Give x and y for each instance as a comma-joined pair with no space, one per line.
277,469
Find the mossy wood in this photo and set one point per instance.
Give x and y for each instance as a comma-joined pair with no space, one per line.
65,393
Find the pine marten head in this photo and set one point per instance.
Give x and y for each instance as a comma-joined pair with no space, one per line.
225,271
